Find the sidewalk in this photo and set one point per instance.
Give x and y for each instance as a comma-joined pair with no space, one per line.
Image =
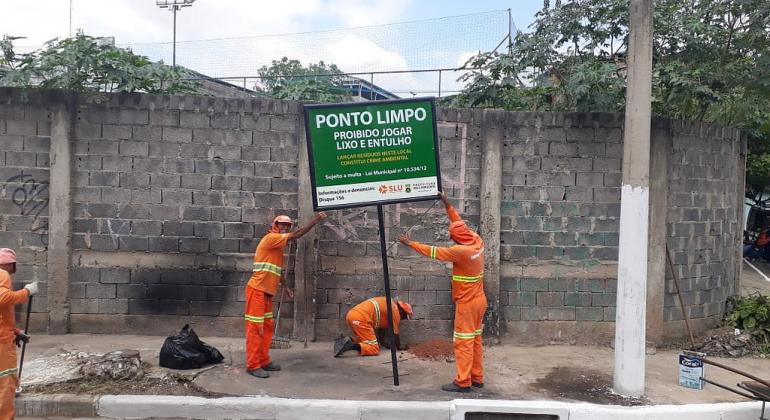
560,373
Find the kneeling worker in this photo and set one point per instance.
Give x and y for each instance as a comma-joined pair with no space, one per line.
365,318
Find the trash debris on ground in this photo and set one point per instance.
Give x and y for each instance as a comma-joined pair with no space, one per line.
435,349
150,384
119,364
729,345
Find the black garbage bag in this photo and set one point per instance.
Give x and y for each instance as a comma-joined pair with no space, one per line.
187,351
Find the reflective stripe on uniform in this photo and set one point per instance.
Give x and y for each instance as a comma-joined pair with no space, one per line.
370,342
268,315
266,266
467,279
479,331
464,336
257,319
433,252
376,311
7,372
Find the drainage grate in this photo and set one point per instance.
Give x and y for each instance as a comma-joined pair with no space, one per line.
509,416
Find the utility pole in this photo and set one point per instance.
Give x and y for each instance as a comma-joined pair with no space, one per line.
629,372
70,27
173,6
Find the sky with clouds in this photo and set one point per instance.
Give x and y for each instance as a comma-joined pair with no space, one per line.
241,35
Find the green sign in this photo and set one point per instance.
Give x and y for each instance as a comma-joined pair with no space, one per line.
372,152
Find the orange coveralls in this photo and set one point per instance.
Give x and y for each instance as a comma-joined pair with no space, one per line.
268,266
366,317
8,379
470,301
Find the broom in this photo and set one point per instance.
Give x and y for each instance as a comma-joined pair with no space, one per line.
24,344
281,342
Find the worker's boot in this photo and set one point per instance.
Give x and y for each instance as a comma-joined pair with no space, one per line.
272,367
453,387
258,373
477,384
341,346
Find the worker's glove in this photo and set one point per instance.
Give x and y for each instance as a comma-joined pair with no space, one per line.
33,288
21,338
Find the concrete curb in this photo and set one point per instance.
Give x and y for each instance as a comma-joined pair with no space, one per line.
269,408
59,405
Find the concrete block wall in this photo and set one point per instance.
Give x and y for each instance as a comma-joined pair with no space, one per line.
560,219
25,132
171,194
706,168
193,182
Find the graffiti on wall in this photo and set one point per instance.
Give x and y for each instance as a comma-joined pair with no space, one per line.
32,199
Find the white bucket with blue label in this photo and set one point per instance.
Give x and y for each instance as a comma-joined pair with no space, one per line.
691,370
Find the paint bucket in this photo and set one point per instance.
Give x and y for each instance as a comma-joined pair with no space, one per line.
691,370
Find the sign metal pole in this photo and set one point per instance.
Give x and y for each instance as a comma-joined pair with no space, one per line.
391,335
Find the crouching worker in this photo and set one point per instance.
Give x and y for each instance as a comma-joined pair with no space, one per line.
10,336
268,265
367,319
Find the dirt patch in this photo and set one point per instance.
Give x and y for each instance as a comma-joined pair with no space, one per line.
583,385
163,384
439,350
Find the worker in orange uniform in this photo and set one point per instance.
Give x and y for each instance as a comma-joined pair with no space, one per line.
10,336
366,319
467,259
268,266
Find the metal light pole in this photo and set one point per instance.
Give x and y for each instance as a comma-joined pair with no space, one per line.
173,6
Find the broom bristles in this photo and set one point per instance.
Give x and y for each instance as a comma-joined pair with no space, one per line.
280,343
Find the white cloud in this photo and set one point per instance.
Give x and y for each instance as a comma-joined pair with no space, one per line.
133,21
362,13
353,51
149,30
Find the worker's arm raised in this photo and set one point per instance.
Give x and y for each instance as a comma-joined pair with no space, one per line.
435,252
305,229
450,211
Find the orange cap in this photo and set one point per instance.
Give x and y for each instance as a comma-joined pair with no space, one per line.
7,256
279,219
406,307
460,233
282,219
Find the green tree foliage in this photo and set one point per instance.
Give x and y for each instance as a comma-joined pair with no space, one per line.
711,62
84,64
289,79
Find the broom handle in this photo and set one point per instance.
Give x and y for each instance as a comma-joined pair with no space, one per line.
283,285
278,316
24,343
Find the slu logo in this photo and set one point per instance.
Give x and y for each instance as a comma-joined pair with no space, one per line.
408,188
384,189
